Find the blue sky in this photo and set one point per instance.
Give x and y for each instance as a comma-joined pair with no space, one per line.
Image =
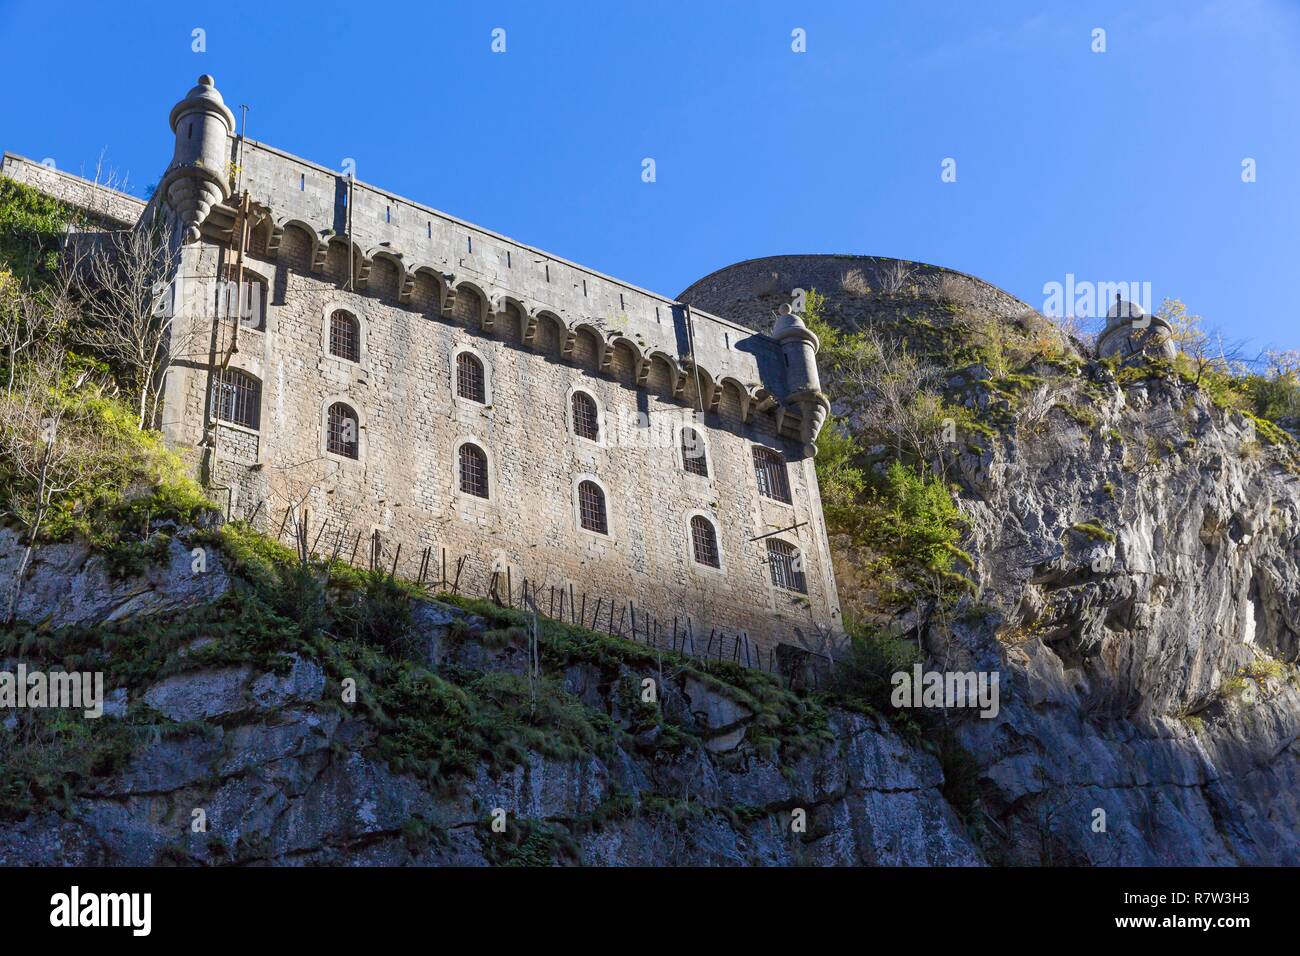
1117,166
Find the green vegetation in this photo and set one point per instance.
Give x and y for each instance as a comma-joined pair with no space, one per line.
786,724
1260,671
890,510
31,228
903,525
1093,530
527,843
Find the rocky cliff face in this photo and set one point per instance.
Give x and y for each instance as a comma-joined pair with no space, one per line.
1152,665
1137,588
1136,556
282,774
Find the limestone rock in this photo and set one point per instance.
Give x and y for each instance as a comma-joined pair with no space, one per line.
67,584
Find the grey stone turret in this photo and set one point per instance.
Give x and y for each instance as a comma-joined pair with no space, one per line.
1130,331
799,344
198,177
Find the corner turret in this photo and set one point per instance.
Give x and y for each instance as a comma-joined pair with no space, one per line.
1130,331
799,344
198,177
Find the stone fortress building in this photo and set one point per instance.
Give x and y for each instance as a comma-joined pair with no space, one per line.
401,377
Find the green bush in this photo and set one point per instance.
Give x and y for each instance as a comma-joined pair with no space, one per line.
32,225
863,676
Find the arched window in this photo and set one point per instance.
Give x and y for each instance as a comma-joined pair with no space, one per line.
769,468
786,565
694,457
470,382
473,471
591,508
704,542
253,303
586,422
245,299
237,398
343,431
345,336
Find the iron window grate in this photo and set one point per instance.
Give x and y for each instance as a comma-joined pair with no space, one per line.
586,423
238,399
694,459
473,471
345,336
342,432
769,469
704,541
786,565
591,507
470,382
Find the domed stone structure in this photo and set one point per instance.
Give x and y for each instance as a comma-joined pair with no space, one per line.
1130,331
751,292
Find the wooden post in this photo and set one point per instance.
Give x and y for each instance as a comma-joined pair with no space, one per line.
324,524
338,544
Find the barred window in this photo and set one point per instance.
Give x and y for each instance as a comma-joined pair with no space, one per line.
345,336
694,458
470,382
786,564
591,507
473,471
237,398
343,431
769,468
704,542
586,423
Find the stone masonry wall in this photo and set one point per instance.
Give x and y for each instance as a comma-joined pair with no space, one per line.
107,205
405,482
